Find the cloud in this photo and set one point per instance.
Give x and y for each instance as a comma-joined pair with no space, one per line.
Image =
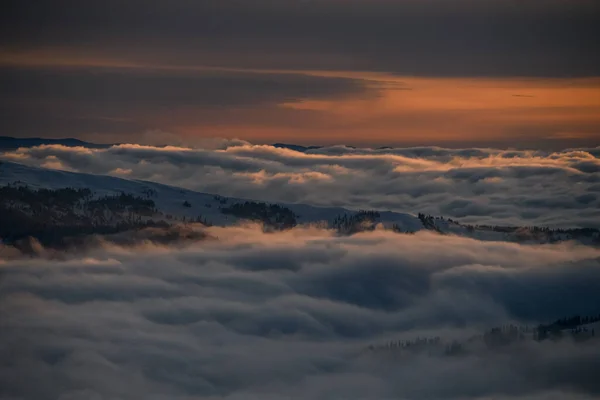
257,315
506,187
124,100
155,90
458,38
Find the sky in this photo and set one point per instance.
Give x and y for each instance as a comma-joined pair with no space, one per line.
460,73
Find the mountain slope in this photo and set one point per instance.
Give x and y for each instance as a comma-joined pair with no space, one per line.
170,200
173,204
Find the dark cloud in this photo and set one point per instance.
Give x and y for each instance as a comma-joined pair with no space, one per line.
432,37
113,90
79,102
155,322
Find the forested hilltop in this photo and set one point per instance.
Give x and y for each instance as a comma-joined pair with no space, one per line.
53,215
577,329
51,205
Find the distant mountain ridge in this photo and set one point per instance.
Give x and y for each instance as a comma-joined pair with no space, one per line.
304,149
295,147
12,143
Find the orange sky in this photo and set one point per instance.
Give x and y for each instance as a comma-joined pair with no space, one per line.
377,73
417,110
467,108
395,109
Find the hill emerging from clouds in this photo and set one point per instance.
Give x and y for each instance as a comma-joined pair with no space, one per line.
475,186
51,204
253,272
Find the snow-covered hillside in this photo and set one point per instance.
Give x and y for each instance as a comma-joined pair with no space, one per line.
177,204
170,200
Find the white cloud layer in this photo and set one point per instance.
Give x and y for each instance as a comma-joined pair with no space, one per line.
287,316
474,185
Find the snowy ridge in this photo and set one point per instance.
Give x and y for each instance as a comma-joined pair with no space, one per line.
170,200
178,204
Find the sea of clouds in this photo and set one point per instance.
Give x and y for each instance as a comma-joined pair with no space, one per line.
250,315
506,187
237,313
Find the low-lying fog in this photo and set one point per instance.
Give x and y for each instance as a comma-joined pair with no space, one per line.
292,315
